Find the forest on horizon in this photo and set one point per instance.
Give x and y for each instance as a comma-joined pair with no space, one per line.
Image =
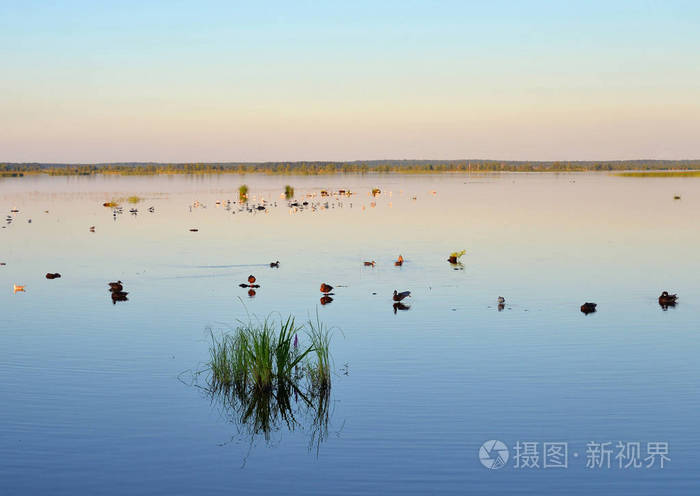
331,167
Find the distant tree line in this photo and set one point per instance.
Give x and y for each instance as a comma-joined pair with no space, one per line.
318,168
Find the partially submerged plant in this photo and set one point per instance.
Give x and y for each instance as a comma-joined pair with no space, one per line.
255,355
455,256
243,193
319,370
258,368
288,192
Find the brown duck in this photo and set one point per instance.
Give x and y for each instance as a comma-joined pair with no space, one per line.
326,288
587,308
251,279
667,299
399,261
115,286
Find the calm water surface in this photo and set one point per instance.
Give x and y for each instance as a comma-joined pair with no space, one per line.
97,398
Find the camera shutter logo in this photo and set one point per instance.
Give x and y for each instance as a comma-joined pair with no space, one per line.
493,454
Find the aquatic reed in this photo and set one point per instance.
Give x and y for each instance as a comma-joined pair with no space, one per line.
288,192
264,355
319,370
243,193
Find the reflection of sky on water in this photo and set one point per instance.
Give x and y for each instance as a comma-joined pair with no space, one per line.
89,390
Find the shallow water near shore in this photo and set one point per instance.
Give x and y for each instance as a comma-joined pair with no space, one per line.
97,398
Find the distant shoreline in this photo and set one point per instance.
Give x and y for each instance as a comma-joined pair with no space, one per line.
649,168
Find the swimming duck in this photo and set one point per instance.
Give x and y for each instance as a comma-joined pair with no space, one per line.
115,286
326,288
54,275
400,296
370,264
18,288
667,299
588,308
275,265
501,300
399,261
251,279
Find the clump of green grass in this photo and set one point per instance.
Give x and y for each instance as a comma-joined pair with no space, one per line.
319,368
243,193
288,192
265,355
257,368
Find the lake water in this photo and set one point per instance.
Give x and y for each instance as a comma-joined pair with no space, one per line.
98,398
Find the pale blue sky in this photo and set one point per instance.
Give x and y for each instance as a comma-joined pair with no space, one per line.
228,81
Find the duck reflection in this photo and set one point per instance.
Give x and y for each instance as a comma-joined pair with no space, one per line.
119,296
325,300
668,304
400,306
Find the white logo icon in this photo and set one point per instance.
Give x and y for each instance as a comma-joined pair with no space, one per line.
493,454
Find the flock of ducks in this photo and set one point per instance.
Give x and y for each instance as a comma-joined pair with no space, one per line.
117,292
116,289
